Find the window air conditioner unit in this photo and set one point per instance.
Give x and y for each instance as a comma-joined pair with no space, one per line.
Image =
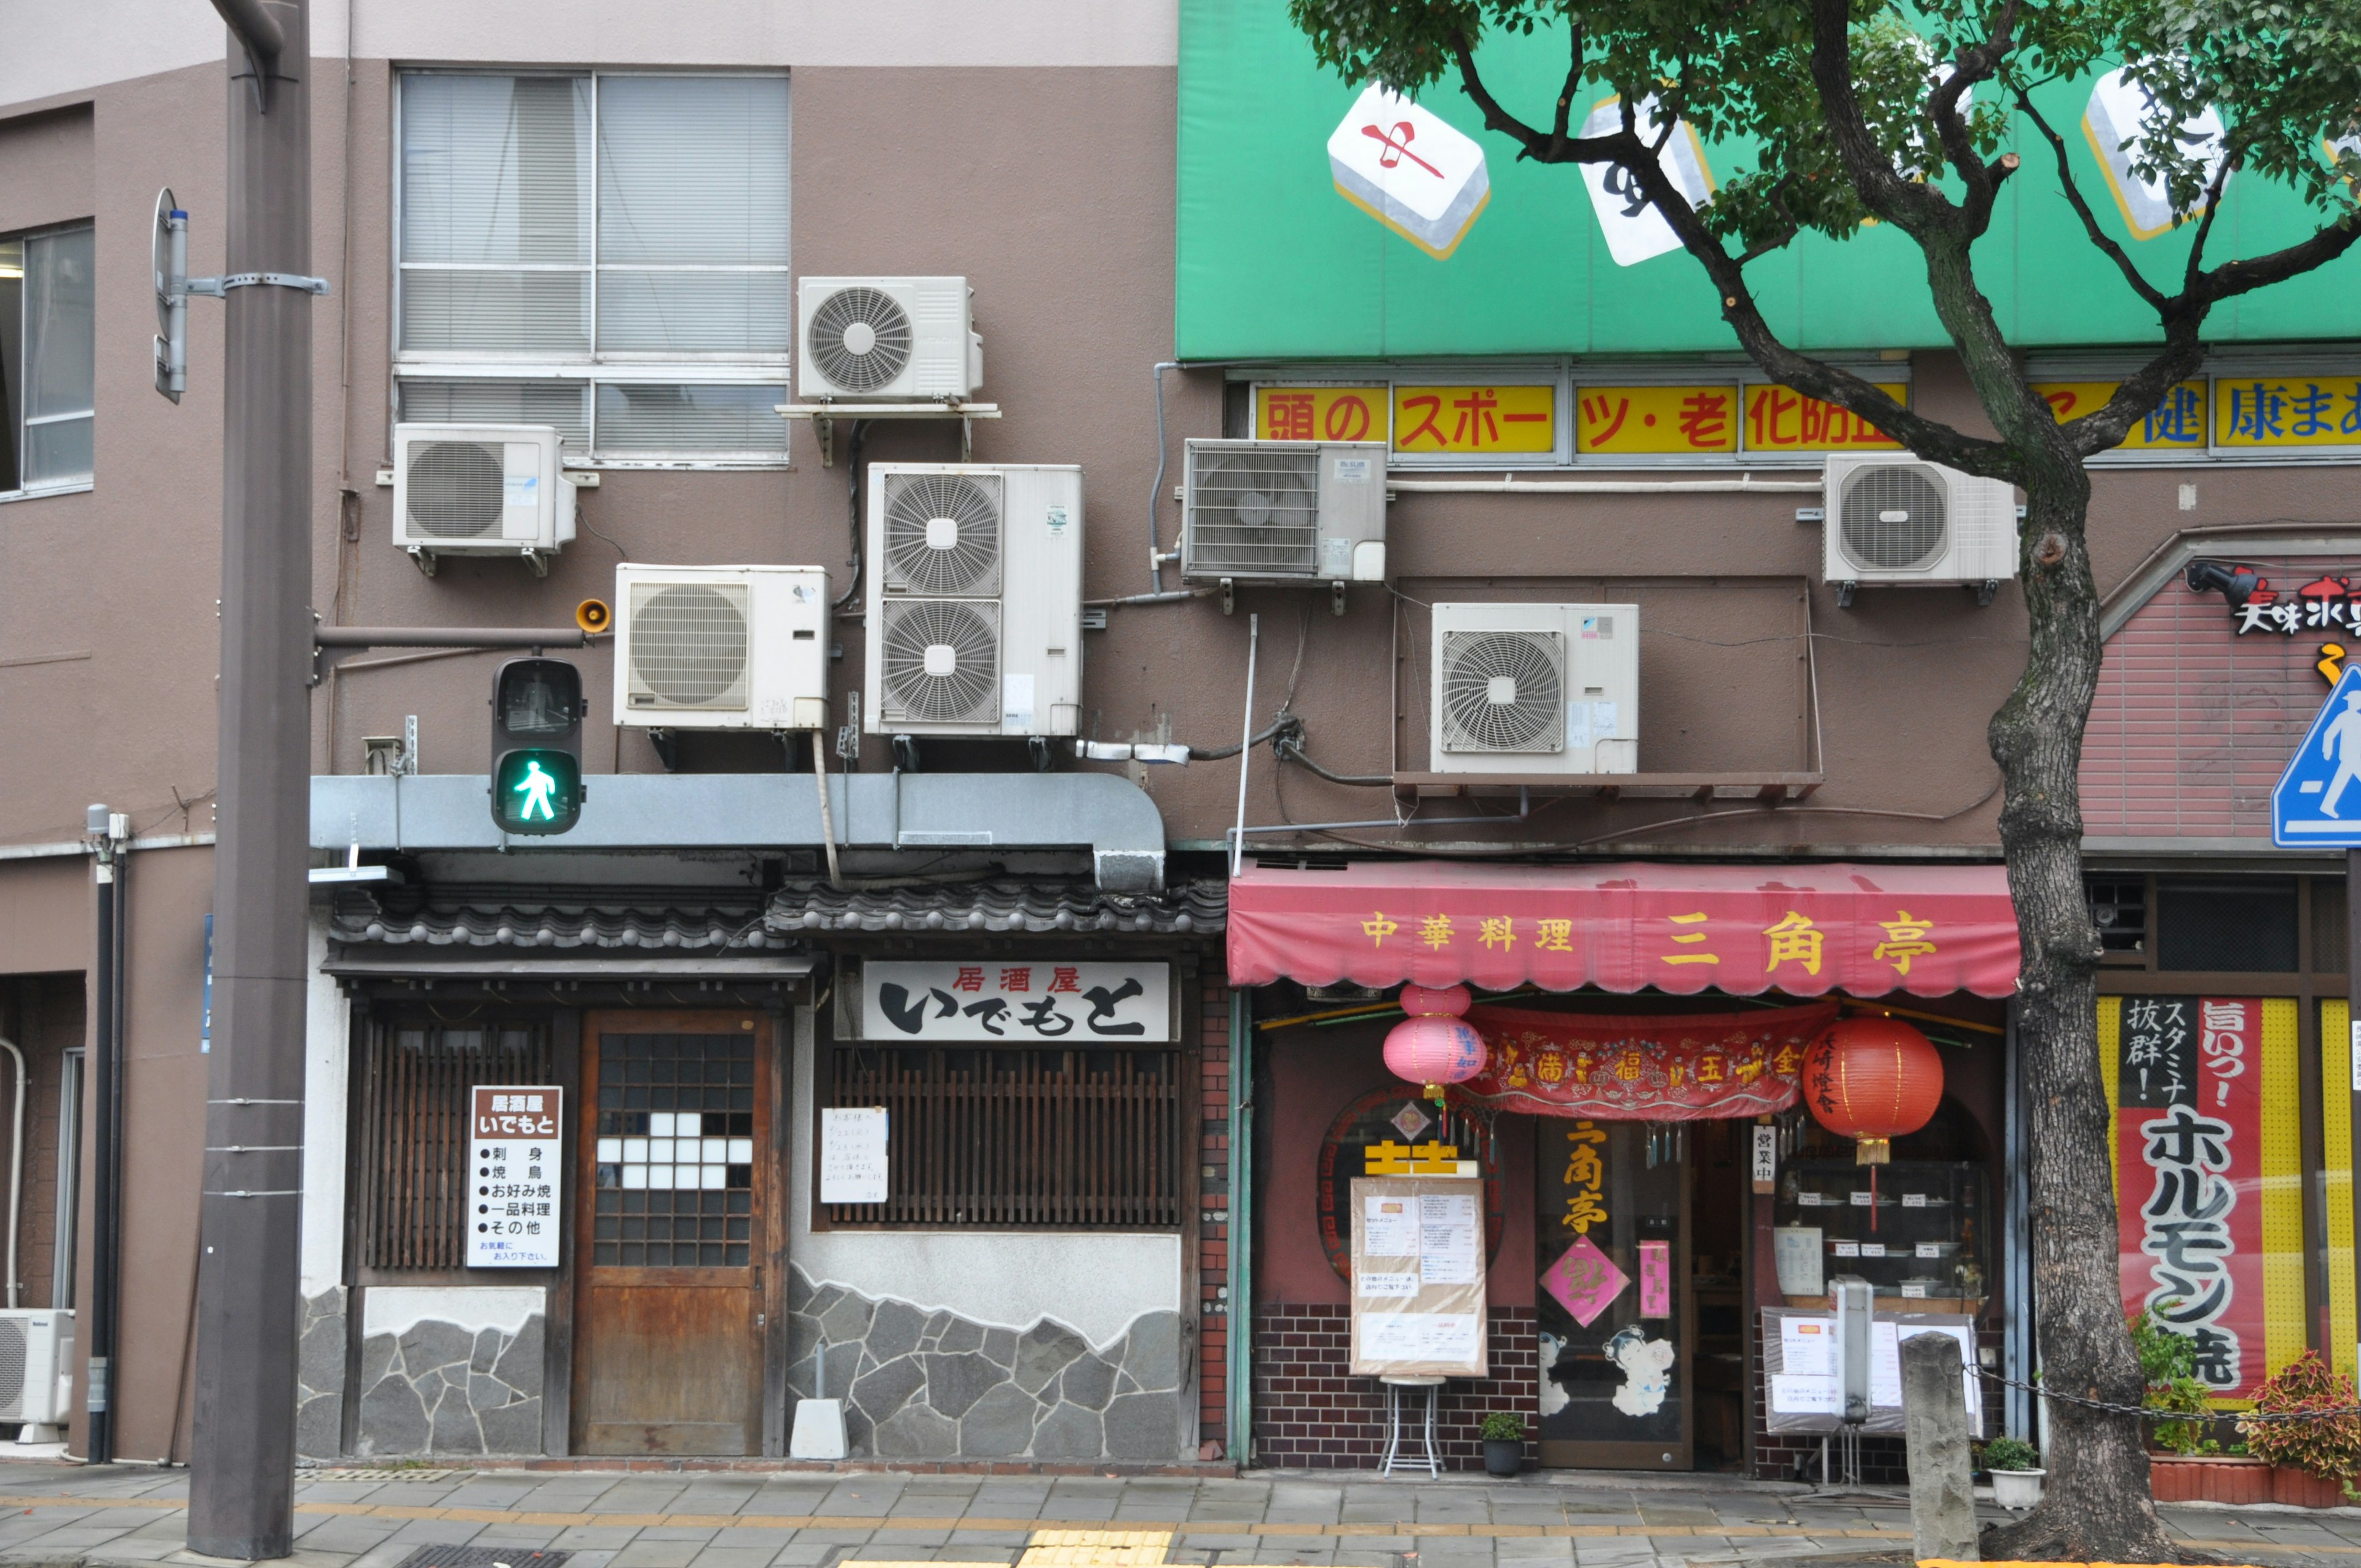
1284,511
1535,688
721,647
35,1364
1900,520
480,489
888,340
974,599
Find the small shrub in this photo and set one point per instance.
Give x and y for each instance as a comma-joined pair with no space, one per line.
2329,1448
2168,1367
1503,1426
2011,1454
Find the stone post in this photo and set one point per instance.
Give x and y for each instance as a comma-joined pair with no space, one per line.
1935,1425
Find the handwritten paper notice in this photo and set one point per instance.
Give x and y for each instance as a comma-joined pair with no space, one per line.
1371,1282
1795,1394
1450,1246
1796,1251
853,1154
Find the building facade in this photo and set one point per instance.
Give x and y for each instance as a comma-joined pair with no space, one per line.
1128,1071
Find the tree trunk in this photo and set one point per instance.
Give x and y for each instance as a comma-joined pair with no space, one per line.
2096,1505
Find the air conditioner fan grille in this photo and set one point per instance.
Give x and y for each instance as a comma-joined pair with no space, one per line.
14,1346
940,660
1255,514
860,338
1893,518
453,490
942,532
1503,691
691,646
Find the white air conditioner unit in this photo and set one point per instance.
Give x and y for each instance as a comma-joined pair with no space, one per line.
721,647
888,340
1535,688
1902,519
976,599
480,489
1284,511
35,1364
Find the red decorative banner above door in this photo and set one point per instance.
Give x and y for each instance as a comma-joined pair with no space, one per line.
1669,1067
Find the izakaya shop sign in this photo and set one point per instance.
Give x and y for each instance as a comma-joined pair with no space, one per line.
517,1155
1121,1003
2189,1142
1661,1068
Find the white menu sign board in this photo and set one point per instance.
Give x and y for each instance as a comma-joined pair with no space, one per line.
853,1154
1017,999
1418,1276
518,1153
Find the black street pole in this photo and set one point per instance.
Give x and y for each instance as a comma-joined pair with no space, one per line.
241,1494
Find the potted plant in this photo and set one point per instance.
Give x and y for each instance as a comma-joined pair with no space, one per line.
2313,1460
2015,1471
1503,1432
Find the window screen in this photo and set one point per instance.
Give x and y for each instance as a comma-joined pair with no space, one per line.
1039,1139
2246,926
411,1125
566,222
48,358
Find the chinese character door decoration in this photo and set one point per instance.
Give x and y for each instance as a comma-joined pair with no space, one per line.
2208,1156
1662,1068
516,1161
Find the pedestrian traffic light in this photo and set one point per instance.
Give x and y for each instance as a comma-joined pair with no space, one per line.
536,746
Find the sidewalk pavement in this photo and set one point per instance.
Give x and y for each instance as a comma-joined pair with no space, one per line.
56,1516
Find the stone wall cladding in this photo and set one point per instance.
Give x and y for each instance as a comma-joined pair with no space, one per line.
440,1388
1310,1413
319,1377
933,1384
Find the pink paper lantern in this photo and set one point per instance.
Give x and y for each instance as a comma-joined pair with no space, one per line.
1433,1050
1426,1001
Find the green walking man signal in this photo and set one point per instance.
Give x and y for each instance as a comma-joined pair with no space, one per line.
536,786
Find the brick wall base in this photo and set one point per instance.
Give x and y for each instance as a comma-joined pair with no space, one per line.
1310,1413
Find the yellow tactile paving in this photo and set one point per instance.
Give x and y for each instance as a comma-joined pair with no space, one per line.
1096,1549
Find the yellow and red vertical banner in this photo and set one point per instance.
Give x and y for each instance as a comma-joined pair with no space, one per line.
2206,1097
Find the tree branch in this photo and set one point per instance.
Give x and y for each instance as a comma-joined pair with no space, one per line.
1543,146
1915,206
2097,236
1565,96
2190,273
1981,64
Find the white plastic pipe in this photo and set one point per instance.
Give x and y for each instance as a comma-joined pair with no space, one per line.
1596,487
1246,746
15,1169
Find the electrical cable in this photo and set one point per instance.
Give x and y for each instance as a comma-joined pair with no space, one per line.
1156,491
853,443
583,522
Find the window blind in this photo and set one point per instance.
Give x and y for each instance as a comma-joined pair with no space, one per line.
54,382
638,417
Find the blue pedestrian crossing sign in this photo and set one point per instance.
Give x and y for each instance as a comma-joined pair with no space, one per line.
2317,804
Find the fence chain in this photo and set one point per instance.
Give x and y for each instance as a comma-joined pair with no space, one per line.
2261,1417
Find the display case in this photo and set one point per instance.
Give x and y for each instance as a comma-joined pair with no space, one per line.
1915,1229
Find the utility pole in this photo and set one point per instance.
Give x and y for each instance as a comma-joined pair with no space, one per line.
241,1496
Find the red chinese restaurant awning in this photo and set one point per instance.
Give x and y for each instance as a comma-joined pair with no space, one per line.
1806,930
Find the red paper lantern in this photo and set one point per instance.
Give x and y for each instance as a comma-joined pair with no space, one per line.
1434,1045
1873,1079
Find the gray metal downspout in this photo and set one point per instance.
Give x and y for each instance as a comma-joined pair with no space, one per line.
1241,1260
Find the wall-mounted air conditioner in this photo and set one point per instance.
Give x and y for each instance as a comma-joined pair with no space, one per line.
1284,511
480,489
886,339
721,647
1535,688
35,1364
974,599
1902,519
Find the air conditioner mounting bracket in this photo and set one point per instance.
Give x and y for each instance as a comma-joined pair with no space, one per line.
1985,591
824,415
1337,598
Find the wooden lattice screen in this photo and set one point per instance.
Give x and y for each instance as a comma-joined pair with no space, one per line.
413,1129
1045,1138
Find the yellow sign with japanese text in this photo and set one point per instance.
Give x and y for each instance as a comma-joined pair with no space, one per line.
2177,424
1320,413
1654,421
1467,420
2287,411
1778,420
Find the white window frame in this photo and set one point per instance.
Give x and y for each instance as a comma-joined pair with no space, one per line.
700,369
23,492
